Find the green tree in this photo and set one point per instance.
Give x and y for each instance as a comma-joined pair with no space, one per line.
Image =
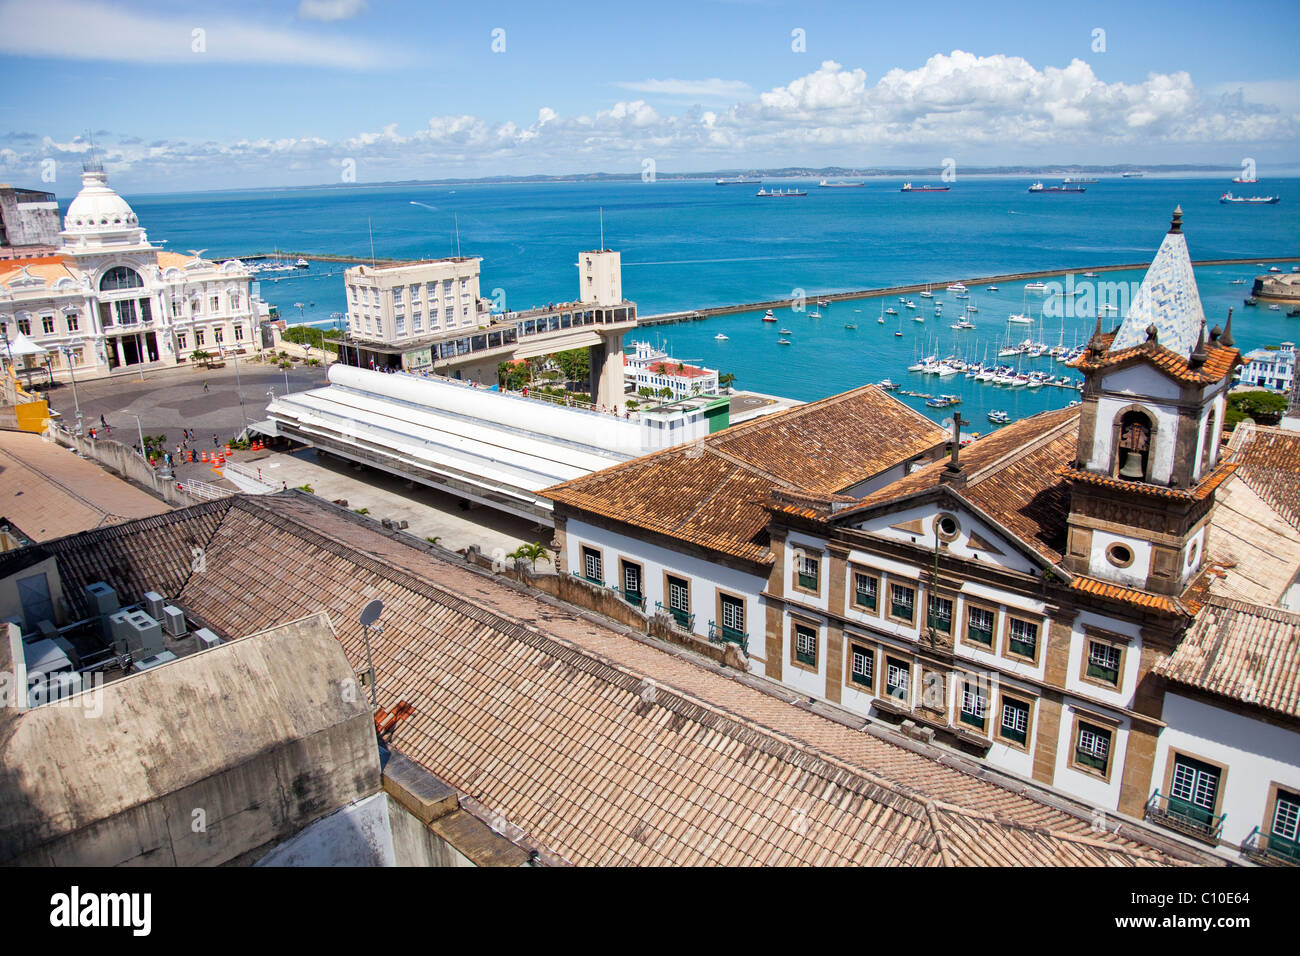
665,392
1265,408
530,552
574,364
645,391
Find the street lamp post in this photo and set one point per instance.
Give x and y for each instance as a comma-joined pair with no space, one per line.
221,351
66,349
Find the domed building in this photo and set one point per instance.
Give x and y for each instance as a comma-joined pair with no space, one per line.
107,300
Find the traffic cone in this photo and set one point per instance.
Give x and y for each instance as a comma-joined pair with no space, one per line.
204,457
191,456
227,448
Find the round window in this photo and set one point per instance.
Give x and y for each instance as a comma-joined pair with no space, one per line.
1120,555
1191,553
947,527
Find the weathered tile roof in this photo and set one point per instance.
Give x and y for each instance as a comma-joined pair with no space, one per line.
711,492
599,748
1243,652
1219,362
1268,460
47,492
1203,489
1011,476
1134,596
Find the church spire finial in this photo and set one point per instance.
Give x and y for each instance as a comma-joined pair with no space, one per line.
1226,338
1176,224
1198,356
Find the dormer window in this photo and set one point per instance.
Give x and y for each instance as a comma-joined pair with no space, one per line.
1133,447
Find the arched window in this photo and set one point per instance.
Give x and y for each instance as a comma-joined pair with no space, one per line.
1211,441
1133,447
120,277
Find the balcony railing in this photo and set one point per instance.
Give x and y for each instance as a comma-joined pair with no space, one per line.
1271,848
634,598
684,619
720,633
1185,816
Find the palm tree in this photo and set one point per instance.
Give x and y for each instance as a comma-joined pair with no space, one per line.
726,380
530,552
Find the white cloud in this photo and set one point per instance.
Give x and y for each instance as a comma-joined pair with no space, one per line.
713,89
330,10
979,110
89,30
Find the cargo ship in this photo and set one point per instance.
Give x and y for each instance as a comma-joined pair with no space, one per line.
909,188
780,193
737,181
1040,188
1079,179
825,185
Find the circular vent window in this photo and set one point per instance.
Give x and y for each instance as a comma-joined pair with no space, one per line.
1120,555
947,527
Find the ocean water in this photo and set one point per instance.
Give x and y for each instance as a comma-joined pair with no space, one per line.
688,245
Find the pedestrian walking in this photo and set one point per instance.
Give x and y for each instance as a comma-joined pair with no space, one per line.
205,386
215,443
102,422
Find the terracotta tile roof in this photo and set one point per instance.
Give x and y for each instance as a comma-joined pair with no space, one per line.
49,268
1242,652
168,259
1268,460
47,492
712,492
1012,476
1219,363
600,748
1134,596
1202,491
678,369
1255,550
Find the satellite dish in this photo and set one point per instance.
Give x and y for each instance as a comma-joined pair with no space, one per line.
370,613
946,423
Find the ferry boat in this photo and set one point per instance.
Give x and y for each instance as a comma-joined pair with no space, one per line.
909,188
1229,198
825,185
737,181
957,287
780,193
1040,188
768,316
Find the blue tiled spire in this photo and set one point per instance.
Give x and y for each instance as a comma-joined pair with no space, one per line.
1168,299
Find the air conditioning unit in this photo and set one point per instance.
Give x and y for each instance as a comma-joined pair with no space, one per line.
101,598
143,634
173,621
147,663
116,630
207,638
153,603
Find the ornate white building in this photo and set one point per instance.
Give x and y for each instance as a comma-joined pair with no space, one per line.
107,300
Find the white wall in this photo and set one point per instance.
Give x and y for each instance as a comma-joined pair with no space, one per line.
1256,754
1086,786
705,578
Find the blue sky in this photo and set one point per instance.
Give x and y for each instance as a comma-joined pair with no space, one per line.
302,91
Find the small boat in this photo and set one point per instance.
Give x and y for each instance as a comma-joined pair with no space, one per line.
1251,300
909,188
768,316
918,318
887,385
1275,308
1239,179
814,314
999,417
957,287
991,288
961,295
972,308
1035,287
782,341
898,334
720,337
1020,318
1237,282
909,304
1292,313
927,294
785,332
1090,275
1274,269
302,264
891,311
1230,199
850,325
823,302
963,324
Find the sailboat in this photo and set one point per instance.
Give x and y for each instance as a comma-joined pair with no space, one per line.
927,294
881,320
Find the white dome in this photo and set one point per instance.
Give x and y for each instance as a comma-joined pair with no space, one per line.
98,208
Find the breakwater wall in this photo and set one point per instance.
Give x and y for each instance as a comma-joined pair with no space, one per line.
695,315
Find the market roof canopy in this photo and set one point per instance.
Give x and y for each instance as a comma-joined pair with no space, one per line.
22,346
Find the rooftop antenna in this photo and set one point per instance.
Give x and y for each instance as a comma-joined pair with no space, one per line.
371,225
369,618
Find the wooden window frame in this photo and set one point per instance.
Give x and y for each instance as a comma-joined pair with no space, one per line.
1098,722
1270,809
964,637
1121,646
930,598
795,624
719,617
884,681
1039,630
854,571
1172,758
916,592
961,679
623,565
797,570
582,560
850,678
669,577
1030,702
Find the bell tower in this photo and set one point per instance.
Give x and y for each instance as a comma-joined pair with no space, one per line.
1154,397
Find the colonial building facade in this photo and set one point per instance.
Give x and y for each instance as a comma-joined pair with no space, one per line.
107,300
1015,600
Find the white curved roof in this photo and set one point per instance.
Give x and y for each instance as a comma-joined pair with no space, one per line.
98,208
